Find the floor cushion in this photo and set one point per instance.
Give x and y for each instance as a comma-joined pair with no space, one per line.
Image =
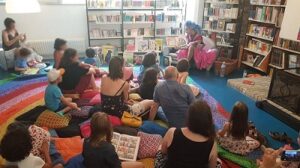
32,115
68,147
83,113
126,130
149,145
51,119
72,129
151,127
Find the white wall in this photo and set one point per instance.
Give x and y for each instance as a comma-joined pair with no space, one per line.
195,11
290,26
65,21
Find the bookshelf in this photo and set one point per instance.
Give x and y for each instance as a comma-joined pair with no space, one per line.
265,17
221,23
122,23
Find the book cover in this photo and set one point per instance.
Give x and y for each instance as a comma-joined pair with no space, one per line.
130,45
158,44
151,45
143,45
171,41
138,40
126,146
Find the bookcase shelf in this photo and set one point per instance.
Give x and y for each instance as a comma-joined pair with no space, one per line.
251,65
288,50
264,22
130,20
222,23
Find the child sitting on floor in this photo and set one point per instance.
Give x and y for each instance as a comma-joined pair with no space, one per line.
234,135
21,60
54,98
183,72
90,53
98,150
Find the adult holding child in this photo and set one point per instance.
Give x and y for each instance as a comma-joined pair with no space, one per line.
78,77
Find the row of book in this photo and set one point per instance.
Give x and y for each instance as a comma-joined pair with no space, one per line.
140,44
138,17
279,59
268,2
104,18
168,31
255,60
259,46
220,25
166,18
265,14
170,3
230,13
104,3
224,1
288,44
138,3
104,33
262,31
138,32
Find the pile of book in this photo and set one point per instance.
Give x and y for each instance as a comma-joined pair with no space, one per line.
289,44
99,4
138,3
138,32
103,33
137,17
259,46
262,31
213,10
105,18
265,14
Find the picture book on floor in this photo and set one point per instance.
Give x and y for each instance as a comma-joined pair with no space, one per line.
126,146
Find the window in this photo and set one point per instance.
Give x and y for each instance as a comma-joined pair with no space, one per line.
72,1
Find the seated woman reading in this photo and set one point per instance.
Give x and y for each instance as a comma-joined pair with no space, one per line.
78,77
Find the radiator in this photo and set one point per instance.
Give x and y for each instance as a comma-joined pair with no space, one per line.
45,47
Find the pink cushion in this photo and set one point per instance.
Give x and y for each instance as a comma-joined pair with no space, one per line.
149,145
95,100
89,94
115,121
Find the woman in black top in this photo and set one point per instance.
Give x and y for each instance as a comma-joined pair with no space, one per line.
148,84
192,146
78,77
98,152
10,37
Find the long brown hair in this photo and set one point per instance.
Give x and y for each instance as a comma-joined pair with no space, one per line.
239,121
101,129
200,119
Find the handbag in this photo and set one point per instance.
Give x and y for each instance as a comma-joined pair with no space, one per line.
131,120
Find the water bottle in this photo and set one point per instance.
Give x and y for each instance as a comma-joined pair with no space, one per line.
223,68
244,73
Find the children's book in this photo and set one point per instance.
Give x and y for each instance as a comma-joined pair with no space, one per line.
151,45
158,44
143,45
31,71
130,46
126,146
171,41
138,40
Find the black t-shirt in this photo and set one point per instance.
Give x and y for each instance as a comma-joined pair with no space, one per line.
146,91
103,156
71,78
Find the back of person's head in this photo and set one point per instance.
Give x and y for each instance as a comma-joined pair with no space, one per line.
16,144
8,22
16,125
58,43
200,119
90,53
150,77
239,120
171,73
24,52
69,54
101,129
149,59
115,68
183,65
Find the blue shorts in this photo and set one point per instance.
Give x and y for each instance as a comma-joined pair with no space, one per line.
61,107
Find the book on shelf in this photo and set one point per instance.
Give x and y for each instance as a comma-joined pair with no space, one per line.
171,41
230,27
138,32
267,2
172,3
220,11
103,33
258,60
262,31
264,14
277,58
126,146
135,18
130,45
289,44
104,18
158,44
138,40
294,61
151,44
143,45
138,3
250,58
101,4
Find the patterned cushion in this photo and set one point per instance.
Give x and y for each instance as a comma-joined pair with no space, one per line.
149,145
53,120
83,113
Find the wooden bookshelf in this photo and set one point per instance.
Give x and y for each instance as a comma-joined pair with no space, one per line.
270,5
257,52
148,10
288,50
259,37
251,65
222,23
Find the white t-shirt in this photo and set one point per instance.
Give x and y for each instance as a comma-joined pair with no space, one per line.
30,161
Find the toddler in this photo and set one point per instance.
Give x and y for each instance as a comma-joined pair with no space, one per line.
90,53
21,60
